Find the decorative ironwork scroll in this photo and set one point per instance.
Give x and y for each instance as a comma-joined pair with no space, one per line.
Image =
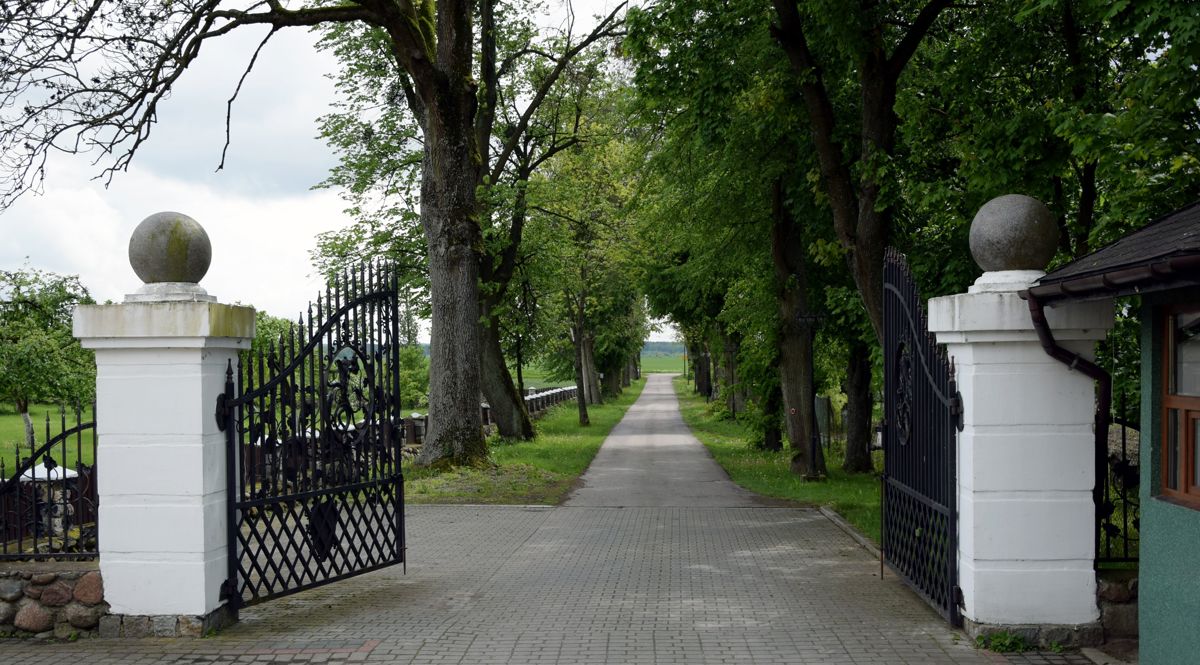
314,429
921,418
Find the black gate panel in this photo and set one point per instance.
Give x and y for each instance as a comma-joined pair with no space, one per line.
921,417
314,431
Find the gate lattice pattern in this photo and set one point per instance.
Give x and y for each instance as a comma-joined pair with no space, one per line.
314,436
922,408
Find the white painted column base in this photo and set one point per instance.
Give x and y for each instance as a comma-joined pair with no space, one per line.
159,369
1025,459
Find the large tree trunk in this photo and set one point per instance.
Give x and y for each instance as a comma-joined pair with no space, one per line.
773,412
23,409
612,383
795,339
507,405
580,380
590,374
704,383
448,215
730,389
858,409
520,371
693,351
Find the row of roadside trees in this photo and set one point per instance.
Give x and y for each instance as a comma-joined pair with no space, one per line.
738,166
795,140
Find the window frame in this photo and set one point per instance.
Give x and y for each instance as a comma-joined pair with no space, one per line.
1189,491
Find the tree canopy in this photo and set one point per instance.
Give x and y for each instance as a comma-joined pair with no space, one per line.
738,167
39,359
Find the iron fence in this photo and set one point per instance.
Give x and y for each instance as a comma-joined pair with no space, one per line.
1118,512
536,403
48,503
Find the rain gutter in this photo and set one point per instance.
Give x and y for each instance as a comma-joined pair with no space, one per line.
1091,370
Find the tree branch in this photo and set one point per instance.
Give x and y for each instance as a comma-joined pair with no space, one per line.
837,177
603,29
908,44
237,90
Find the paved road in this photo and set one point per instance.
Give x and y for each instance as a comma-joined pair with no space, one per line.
656,559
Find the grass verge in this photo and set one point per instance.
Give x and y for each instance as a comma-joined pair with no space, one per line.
854,496
541,471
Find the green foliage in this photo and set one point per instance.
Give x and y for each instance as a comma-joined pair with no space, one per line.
1089,106
1003,642
269,332
414,378
581,233
40,361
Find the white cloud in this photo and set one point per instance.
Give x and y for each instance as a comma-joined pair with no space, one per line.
260,243
259,212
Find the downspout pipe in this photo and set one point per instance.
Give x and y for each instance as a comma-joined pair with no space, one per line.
1103,404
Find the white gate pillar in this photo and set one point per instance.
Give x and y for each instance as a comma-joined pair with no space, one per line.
161,358
1026,450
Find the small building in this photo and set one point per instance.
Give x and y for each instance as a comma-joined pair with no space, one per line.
1161,264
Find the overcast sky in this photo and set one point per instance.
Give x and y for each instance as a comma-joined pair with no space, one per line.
260,212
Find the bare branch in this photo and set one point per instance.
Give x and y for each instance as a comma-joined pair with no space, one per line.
79,77
237,90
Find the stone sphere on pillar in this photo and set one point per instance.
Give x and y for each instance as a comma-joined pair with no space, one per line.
170,247
1013,232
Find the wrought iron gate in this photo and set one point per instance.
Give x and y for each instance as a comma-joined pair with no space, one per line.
313,433
922,412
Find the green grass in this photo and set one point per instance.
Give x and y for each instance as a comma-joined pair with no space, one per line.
854,496
536,377
12,434
662,363
541,471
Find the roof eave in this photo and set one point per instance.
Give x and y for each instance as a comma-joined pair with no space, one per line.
1168,273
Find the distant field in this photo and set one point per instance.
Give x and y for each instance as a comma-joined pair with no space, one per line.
535,377
656,362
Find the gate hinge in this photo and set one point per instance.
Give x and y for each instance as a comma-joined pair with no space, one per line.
222,411
228,589
956,410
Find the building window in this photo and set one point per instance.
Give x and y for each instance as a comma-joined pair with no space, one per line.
1181,407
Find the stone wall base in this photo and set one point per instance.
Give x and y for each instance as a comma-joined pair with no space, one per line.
170,625
1117,591
1042,635
47,600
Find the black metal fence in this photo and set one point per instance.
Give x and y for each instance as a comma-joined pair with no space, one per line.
1118,514
921,415
48,501
1117,459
